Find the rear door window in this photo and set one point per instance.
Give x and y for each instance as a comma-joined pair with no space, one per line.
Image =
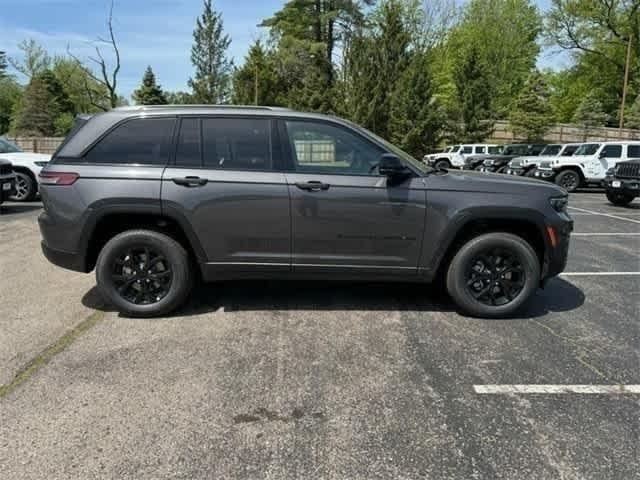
236,144
467,149
142,141
633,151
479,149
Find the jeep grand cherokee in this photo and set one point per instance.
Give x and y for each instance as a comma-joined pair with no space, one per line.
152,197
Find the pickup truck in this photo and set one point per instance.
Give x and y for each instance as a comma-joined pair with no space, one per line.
498,163
588,166
526,165
454,157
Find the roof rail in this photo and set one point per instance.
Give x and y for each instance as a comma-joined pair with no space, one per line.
194,106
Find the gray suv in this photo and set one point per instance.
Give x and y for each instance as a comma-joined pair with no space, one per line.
154,198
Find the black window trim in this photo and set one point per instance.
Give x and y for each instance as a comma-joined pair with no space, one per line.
288,152
276,162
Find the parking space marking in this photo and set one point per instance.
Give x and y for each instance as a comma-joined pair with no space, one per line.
608,234
555,389
606,215
603,274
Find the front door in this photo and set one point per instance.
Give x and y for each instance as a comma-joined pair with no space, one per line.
224,183
344,215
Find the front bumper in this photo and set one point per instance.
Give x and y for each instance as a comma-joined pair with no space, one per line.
7,187
544,174
556,258
627,186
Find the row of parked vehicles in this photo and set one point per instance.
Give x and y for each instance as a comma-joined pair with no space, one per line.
569,165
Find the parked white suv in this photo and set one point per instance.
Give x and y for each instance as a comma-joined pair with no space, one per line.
588,165
526,165
453,157
26,166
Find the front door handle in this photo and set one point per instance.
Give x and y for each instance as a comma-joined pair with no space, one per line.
190,181
312,186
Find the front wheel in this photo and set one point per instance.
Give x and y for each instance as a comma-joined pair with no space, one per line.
570,180
619,198
493,275
442,165
144,273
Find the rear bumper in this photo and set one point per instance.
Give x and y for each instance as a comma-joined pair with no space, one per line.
6,192
68,260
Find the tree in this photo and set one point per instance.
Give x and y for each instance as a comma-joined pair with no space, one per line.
35,59
633,115
416,121
35,115
86,94
531,116
178,98
108,77
211,84
590,113
256,83
473,88
149,93
10,97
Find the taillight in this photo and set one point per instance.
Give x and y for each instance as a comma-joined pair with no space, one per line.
58,178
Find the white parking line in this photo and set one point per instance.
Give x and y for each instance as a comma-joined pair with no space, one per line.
609,234
598,274
597,389
606,215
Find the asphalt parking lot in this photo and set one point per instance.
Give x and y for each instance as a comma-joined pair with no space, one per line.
306,380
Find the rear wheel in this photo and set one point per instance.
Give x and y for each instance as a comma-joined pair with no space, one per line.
144,273
619,198
25,188
493,275
570,180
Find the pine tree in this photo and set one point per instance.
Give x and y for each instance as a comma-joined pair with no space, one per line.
530,115
416,121
632,120
590,114
149,93
474,95
211,84
35,115
256,83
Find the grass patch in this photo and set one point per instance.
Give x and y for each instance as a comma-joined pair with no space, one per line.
51,351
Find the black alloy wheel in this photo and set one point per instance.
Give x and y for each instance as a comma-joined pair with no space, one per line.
495,277
142,275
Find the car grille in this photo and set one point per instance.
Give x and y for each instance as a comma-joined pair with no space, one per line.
5,170
516,163
488,163
545,164
628,170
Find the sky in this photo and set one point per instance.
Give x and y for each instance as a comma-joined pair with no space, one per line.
149,32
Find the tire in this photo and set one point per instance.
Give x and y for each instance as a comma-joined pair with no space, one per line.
158,298
26,188
618,198
462,268
570,180
442,164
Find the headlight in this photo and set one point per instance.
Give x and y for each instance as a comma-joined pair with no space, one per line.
41,164
559,204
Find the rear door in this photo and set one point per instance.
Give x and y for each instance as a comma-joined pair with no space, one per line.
225,184
345,216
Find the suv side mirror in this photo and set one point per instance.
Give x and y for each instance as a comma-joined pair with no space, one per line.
602,154
391,166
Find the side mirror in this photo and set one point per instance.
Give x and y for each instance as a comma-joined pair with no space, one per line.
391,166
601,154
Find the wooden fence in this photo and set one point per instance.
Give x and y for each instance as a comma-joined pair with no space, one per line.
559,133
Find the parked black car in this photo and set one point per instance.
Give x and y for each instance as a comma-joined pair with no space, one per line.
498,163
623,182
7,180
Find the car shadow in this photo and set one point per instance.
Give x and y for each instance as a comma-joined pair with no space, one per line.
12,208
558,296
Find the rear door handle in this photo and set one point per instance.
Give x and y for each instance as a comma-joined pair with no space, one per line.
190,181
312,186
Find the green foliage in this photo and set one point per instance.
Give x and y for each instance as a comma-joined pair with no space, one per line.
256,82
212,81
35,58
590,113
10,96
632,118
531,114
178,98
63,124
3,64
86,94
473,88
149,93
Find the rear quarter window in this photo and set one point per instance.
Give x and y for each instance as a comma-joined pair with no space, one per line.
141,141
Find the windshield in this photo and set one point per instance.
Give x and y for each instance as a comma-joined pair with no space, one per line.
587,149
7,147
395,150
551,150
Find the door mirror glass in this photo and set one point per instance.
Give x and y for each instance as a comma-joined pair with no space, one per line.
391,166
